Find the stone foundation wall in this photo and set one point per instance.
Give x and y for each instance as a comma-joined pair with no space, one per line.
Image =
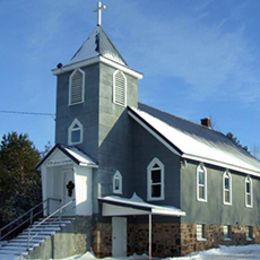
169,239
102,239
214,237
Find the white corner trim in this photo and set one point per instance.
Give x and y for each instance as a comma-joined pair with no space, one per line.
94,60
75,121
150,167
153,133
114,88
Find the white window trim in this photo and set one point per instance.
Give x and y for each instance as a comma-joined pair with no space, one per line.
75,121
114,91
203,232
149,179
229,176
248,237
201,166
249,180
229,233
83,87
117,176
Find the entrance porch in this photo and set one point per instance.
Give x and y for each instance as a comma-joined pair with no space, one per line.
137,226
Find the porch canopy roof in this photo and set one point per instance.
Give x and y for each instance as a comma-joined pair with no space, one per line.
119,206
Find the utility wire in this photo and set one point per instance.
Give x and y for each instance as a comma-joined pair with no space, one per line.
27,113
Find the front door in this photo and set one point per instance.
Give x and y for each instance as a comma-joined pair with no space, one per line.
68,193
119,237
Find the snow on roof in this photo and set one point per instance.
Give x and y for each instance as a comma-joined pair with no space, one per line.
97,44
72,153
81,157
136,201
198,142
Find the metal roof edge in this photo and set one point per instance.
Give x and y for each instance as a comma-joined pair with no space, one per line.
222,164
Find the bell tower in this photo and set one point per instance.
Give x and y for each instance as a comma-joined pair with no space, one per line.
93,92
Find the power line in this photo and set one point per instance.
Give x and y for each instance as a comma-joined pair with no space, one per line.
27,113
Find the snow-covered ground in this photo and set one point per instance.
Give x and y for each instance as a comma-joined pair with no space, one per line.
248,252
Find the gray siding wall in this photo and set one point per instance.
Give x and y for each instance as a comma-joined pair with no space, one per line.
145,149
115,133
86,113
214,211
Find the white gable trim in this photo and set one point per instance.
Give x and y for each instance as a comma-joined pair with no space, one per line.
94,60
153,133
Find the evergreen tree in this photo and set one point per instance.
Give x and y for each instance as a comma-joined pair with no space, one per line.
20,185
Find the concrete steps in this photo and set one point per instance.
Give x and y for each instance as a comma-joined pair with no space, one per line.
19,245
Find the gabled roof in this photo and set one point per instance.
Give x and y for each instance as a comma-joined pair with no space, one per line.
73,153
98,44
196,142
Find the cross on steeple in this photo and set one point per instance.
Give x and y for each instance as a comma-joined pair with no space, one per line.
100,8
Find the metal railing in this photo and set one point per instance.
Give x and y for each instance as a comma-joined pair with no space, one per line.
58,212
26,219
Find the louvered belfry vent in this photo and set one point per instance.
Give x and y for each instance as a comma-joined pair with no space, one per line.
120,85
77,87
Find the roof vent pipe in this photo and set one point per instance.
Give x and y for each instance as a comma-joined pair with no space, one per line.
206,122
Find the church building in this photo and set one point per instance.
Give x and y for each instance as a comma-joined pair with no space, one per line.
136,179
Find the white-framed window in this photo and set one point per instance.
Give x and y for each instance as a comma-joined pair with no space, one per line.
155,180
76,87
248,192
202,183
227,188
75,135
117,183
119,88
227,232
201,232
249,233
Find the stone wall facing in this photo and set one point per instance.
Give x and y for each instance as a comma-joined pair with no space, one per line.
170,239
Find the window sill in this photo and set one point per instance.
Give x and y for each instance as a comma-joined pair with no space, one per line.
249,239
201,239
227,239
202,200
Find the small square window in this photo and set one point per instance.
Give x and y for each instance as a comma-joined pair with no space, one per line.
227,232
201,232
249,233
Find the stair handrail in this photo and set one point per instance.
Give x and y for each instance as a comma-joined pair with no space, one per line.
31,216
59,210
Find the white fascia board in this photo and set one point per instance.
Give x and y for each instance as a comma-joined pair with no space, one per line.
109,210
94,60
153,133
167,212
221,164
88,165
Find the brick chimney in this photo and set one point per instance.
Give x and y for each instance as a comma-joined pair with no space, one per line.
206,122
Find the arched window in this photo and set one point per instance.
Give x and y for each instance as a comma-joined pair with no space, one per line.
76,87
202,183
75,133
227,188
248,192
155,180
119,88
117,183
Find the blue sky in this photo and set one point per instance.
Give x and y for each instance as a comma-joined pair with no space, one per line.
199,58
